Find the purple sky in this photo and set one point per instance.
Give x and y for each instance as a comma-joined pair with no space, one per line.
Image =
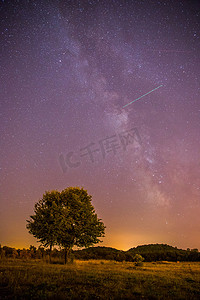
67,70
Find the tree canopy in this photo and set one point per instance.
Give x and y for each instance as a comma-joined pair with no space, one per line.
66,219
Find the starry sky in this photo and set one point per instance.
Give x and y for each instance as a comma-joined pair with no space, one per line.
68,68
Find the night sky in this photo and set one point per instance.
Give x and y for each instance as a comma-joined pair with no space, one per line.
68,68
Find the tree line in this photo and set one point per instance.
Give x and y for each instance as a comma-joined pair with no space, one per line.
152,252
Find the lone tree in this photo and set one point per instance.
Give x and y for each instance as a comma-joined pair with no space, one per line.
66,219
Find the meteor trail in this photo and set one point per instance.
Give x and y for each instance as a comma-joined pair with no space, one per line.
143,95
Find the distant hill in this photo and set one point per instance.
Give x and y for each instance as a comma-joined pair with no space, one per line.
151,252
153,247
97,253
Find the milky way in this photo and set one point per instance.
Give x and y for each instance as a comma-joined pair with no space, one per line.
68,69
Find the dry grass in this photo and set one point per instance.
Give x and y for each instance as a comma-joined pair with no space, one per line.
98,279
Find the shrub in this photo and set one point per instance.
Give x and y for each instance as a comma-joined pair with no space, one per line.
138,260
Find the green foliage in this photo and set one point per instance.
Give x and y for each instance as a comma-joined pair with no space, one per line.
138,260
66,219
44,224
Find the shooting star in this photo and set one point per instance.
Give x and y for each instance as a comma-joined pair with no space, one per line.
143,96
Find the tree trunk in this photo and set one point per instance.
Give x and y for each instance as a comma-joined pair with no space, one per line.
67,254
50,253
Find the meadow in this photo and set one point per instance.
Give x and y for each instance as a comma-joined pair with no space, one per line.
98,279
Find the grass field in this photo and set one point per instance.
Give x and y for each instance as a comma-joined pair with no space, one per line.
97,279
